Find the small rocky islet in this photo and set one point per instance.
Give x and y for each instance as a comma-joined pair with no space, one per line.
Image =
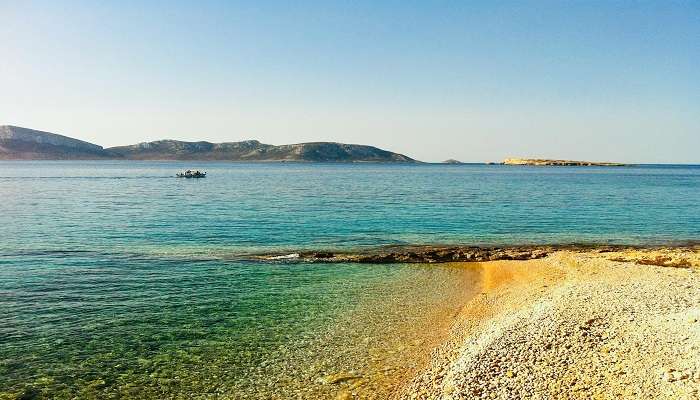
558,163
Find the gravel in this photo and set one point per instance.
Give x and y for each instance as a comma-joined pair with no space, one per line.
572,326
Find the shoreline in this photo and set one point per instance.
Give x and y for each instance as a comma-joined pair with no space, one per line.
619,324
663,254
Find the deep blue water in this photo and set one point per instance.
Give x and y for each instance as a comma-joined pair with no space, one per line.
117,279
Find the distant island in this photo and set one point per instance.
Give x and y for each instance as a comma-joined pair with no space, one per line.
452,161
18,143
27,144
561,163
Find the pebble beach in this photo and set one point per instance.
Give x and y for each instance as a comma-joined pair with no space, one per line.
574,325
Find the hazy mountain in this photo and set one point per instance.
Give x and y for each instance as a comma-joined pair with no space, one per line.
252,150
28,144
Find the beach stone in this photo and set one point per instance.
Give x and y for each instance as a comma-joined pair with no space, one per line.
340,377
322,254
678,375
344,394
29,394
358,383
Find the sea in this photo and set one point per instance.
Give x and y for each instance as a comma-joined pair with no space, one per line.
119,280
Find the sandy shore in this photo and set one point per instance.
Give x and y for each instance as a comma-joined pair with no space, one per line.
622,324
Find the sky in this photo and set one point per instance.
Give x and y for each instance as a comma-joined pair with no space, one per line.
470,80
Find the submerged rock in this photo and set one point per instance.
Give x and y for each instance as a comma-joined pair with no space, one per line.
340,377
444,254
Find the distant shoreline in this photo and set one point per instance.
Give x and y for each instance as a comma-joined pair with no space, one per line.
559,163
18,143
416,163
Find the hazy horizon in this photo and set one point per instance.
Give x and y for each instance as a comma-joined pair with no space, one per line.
474,82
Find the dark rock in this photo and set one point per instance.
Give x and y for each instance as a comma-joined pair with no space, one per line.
29,393
442,254
322,254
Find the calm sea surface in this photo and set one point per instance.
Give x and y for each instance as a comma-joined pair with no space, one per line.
119,280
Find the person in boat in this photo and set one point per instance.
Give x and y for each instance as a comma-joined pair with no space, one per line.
192,174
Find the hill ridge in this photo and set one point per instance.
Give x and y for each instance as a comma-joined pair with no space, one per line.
17,143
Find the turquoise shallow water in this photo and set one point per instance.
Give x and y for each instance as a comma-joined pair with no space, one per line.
117,279
118,205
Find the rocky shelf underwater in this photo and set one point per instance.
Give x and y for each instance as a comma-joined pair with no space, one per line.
443,254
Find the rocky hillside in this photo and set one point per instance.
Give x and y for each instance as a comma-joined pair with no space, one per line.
28,144
560,163
252,150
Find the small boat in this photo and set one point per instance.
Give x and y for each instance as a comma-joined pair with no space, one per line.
191,174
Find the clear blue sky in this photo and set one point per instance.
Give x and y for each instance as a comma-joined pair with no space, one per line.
476,81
